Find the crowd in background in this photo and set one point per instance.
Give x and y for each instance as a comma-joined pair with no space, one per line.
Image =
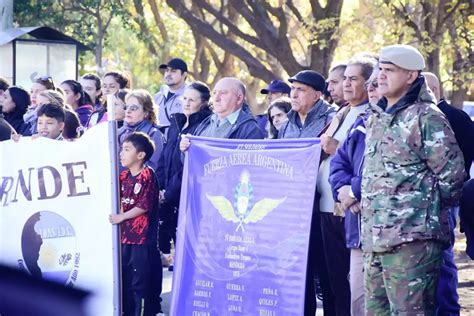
395,159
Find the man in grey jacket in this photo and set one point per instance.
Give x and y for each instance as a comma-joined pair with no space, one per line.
168,99
309,113
308,117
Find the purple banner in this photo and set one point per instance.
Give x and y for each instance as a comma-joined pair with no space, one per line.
243,230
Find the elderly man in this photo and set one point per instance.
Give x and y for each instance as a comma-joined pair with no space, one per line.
335,84
168,99
310,114
228,120
413,173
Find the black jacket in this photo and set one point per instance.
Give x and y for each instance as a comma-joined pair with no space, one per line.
170,166
463,128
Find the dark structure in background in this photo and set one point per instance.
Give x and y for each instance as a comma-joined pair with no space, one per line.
21,294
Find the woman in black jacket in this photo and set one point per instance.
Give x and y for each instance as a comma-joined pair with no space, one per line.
170,167
15,102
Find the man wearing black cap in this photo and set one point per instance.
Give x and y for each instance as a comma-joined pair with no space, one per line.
276,89
308,116
309,113
168,99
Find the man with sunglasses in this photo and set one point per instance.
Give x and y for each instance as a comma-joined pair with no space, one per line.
413,173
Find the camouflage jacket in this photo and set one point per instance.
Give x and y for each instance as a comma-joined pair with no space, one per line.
413,171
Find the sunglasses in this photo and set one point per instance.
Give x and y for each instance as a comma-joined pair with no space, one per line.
374,84
46,79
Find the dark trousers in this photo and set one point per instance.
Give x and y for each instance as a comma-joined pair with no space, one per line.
447,299
338,261
142,277
168,224
317,269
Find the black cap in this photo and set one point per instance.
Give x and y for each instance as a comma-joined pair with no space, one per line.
175,63
276,86
310,78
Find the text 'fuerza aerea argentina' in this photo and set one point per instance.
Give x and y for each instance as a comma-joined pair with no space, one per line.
44,183
249,159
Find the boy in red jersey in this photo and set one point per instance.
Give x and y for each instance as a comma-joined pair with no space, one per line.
142,272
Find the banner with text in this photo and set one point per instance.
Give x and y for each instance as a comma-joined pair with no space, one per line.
244,223
55,199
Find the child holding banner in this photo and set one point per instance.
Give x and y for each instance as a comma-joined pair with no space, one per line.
142,272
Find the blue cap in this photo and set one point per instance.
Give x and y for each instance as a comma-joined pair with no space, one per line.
276,86
310,78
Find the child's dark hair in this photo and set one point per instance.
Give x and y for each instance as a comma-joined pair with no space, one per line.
52,111
122,93
72,125
142,143
121,78
76,88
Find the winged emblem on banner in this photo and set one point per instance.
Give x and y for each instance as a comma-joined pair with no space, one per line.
240,211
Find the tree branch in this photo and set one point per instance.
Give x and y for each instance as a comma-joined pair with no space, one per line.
255,67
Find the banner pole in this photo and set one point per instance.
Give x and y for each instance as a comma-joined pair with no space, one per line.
116,245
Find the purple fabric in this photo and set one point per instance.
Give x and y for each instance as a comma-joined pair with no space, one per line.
243,230
84,112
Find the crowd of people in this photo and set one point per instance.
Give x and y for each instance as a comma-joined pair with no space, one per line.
395,161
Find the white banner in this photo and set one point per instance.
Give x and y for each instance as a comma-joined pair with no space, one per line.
55,199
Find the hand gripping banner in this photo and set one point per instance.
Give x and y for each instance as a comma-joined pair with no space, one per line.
244,224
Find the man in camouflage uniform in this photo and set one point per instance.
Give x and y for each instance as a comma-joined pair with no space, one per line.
413,173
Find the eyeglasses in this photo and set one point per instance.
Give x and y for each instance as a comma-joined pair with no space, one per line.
374,84
133,107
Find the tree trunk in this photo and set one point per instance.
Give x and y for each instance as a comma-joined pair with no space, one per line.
6,14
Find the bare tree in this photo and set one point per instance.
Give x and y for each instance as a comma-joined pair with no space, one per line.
429,22
267,31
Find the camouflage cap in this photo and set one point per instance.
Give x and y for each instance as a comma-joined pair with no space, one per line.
403,56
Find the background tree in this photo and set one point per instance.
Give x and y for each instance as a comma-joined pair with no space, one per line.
265,26
439,28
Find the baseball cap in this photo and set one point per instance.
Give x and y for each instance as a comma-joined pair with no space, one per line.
175,63
310,78
276,86
403,56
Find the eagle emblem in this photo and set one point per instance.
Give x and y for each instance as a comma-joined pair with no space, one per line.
240,212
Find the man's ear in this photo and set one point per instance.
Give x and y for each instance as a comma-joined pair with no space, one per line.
317,96
412,75
61,125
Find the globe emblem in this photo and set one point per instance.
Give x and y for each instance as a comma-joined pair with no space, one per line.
48,244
